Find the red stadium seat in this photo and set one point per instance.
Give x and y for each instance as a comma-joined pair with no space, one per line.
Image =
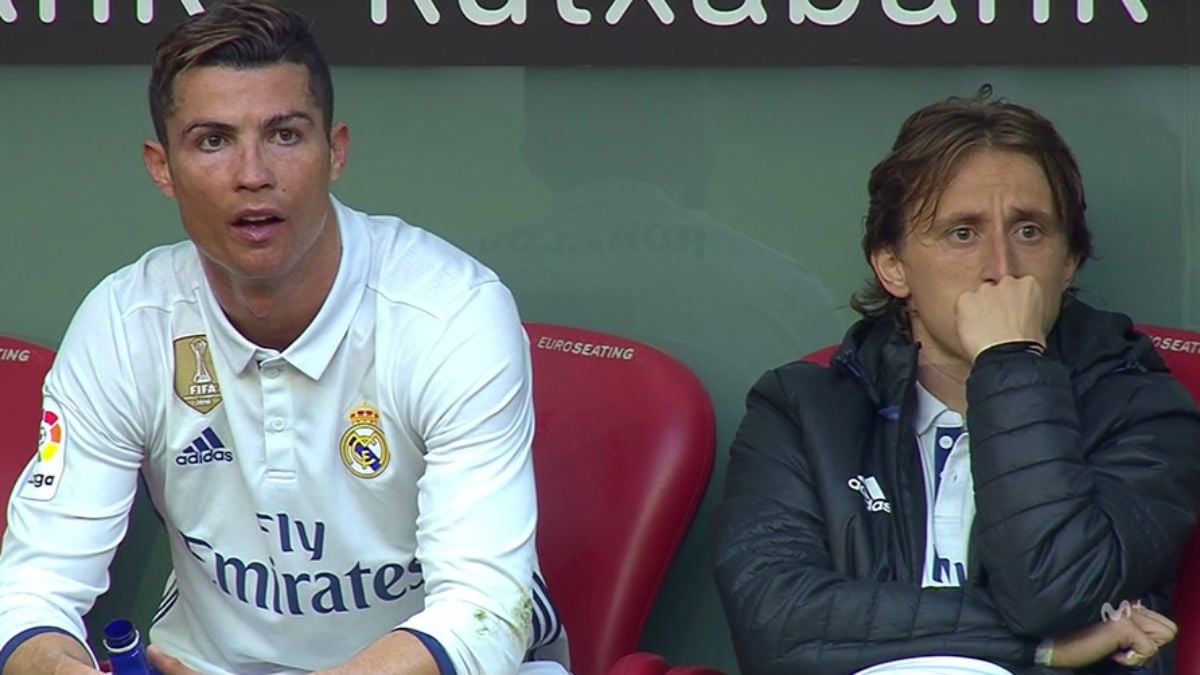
623,452
23,367
822,356
1181,350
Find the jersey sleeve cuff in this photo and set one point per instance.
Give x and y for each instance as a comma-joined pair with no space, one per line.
475,640
440,657
20,638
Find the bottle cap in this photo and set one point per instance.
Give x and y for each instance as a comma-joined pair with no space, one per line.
120,636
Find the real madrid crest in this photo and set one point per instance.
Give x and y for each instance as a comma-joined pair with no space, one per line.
364,449
195,377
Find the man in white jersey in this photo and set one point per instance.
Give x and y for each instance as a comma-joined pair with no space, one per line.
331,410
989,466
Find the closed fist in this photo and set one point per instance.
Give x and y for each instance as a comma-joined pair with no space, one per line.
1010,310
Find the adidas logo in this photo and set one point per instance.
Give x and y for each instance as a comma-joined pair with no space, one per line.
871,493
206,448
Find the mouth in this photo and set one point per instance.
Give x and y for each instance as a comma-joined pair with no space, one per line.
258,220
258,225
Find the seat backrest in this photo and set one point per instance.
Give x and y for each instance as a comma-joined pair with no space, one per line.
23,367
1181,350
623,453
822,356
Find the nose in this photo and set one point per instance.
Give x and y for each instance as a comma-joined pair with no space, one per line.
254,168
1000,260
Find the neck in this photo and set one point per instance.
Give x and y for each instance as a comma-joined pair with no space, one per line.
940,371
946,382
275,313
273,317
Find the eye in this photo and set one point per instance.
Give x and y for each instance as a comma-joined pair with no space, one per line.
211,142
1029,232
961,234
287,136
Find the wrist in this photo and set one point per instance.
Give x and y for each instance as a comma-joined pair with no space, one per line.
1035,347
1044,654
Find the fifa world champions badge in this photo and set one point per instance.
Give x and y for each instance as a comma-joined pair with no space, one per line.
364,448
195,377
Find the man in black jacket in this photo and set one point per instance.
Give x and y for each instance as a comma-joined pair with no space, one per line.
988,467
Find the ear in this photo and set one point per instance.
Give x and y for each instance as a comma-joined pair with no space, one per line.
339,150
891,273
1069,271
154,156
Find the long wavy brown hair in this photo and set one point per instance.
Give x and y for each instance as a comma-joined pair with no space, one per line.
905,185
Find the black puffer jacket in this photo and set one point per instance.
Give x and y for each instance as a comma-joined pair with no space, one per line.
1086,465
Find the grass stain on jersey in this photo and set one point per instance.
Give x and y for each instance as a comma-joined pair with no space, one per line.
524,614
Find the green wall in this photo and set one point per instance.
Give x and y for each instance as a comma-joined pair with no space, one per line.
742,257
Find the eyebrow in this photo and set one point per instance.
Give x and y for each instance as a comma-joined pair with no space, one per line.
972,217
1036,214
290,116
206,125
271,123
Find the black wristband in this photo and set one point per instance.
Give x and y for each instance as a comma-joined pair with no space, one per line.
1014,347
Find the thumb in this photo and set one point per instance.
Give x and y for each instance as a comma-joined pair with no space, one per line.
1136,646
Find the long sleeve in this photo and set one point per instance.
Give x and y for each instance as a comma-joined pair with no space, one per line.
1079,501
64,528
477,502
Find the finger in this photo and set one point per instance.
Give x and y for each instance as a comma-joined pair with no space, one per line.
1158,629
1132,637
1146,620
1132,659
1138,655
166,664
1140,611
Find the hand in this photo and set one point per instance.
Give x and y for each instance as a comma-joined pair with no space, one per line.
1010,310
1131,640
166,664
70,666
52,652
1157,627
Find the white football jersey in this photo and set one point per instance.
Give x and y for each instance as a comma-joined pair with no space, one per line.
375,474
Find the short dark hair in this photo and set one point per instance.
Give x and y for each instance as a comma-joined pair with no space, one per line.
931,144
238,34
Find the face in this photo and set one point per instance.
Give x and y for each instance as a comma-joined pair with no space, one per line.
995,218
248,161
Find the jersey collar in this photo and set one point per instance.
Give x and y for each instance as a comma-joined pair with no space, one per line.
312,352
931,411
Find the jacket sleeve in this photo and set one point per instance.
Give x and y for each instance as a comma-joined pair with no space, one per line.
789,609
1078,502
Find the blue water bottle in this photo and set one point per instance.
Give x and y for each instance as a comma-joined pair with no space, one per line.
126,654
